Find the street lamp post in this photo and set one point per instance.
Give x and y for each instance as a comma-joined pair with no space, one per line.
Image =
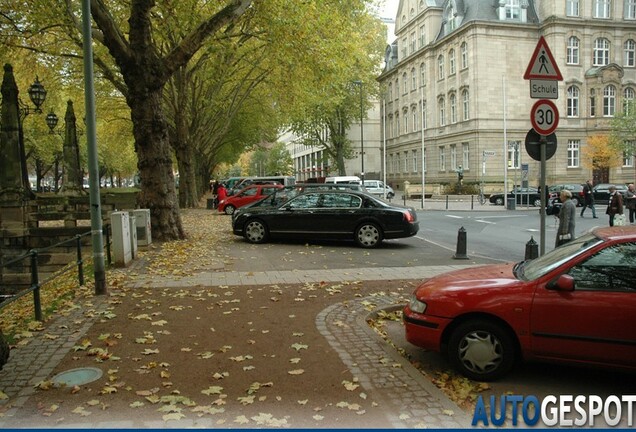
37,94
359,83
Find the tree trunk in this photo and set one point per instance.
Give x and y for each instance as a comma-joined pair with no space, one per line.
155,164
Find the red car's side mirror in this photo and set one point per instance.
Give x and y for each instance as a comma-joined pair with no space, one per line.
564,282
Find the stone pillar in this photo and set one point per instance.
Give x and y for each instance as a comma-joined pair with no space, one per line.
13,196
72,181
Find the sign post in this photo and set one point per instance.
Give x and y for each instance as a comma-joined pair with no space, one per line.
543,74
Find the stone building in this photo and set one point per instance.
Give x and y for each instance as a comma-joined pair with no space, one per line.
457,69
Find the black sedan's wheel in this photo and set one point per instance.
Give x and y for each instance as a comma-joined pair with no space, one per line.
368,235
229,209
390,195
481,350
499,200
255,231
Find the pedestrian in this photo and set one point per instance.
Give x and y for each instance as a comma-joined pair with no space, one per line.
588,198
567,219
630,202
615,205
221,192
215,193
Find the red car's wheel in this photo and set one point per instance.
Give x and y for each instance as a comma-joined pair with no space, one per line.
482,350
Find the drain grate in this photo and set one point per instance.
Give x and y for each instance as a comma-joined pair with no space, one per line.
78,376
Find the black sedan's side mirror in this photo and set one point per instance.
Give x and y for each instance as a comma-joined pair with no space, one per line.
564,282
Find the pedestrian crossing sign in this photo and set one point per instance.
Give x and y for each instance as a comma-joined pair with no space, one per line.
542,65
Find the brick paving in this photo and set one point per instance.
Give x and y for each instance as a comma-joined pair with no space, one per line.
414,402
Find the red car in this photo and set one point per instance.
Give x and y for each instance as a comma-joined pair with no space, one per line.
575,304
246,196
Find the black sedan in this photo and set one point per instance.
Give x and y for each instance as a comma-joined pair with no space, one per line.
522,196
601,192
328,214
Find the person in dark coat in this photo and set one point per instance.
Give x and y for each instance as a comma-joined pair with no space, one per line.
567,219
615,205
588,198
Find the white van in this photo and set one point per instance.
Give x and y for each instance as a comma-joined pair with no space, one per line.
344,179
377,187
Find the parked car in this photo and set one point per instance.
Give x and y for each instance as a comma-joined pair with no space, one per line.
377,187
601,192
327,213
246,196
578,197
522,196
575,304
286,193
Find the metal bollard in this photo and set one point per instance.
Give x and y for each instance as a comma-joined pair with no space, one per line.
461,245
532,249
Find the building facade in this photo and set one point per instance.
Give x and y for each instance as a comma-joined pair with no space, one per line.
454,96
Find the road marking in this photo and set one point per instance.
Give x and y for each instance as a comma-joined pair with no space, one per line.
486,222
452,249
455,216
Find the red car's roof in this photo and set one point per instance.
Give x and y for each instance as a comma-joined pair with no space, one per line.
616,233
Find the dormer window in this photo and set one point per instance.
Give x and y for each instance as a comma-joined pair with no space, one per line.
512,10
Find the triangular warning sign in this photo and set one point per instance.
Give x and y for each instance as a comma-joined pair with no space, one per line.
542,64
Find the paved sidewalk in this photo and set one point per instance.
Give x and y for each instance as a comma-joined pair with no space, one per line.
404,391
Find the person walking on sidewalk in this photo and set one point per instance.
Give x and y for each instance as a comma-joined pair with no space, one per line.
567,219
630,201
615,205
588,198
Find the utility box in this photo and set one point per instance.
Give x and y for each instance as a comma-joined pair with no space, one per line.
133,235
142,224
120,228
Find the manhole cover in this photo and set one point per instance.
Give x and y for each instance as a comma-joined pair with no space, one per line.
78,376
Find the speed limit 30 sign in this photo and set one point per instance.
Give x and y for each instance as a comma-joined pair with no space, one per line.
544,116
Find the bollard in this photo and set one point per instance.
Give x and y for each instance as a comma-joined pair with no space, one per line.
532,249
447,203
461,245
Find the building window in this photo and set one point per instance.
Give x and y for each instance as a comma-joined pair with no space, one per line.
442,159
464,54
451,62
397,88
405,48
390,89
630,53
413,80
405,84
390,128
601,52
453,157
442,112
440,67
414,158
424,160
406,120
513,9
453,108
572,8
397,124
630,9
573,153
573,101
628,100
422,36
423,74
465,105
573,50
413,43
602,8
609,101
414,117
424,124
513,154
406,161
592,103
465,156
628,155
